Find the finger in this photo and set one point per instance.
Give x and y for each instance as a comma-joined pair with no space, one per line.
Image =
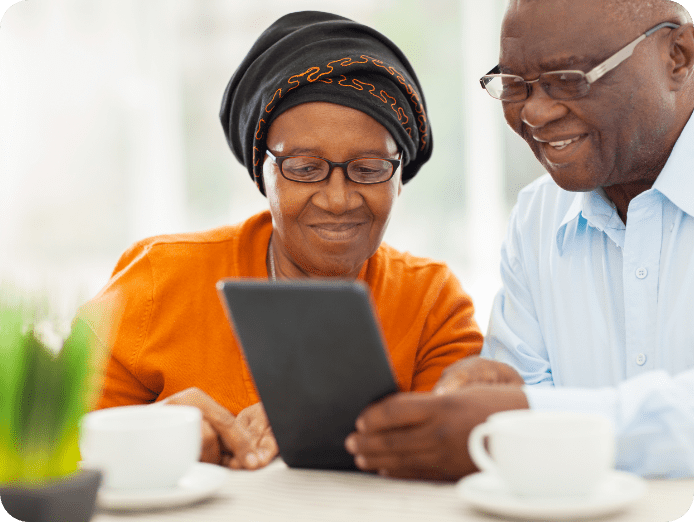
211,449
409,439
419,464
250,438
214,413
513,377
458,374
471,371
243,440
455,381
450,383
232,462
433,473
267,449
217,415
391,463
225,460
393,412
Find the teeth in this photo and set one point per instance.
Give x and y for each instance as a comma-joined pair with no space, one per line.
559,145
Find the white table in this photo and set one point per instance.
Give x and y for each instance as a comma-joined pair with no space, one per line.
278,493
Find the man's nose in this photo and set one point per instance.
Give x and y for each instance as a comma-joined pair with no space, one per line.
539,108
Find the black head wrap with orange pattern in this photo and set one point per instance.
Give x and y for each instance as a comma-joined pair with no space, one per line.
314,56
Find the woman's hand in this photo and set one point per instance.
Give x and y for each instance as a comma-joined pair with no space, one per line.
254,443
244,441
475,370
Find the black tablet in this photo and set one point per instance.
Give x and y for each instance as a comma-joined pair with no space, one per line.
317,357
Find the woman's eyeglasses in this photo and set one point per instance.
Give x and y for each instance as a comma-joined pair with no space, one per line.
312,169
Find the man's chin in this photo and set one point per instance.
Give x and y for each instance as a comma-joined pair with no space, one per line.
572,180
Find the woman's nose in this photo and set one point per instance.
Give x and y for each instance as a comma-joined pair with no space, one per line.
338,193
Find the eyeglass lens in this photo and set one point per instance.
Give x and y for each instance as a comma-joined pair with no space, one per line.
309,169
561,85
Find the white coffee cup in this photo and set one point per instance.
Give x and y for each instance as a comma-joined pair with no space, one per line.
141,447
547,454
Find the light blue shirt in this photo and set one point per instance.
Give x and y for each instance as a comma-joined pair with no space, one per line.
588,302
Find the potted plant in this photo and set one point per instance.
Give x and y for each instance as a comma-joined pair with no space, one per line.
43,395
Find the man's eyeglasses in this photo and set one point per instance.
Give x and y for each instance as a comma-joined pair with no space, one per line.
560,85
311,169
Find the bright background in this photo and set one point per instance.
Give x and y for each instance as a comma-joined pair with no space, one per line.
109,133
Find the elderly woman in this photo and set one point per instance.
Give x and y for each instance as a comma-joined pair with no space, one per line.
329,119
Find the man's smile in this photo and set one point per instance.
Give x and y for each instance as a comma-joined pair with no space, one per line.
558,150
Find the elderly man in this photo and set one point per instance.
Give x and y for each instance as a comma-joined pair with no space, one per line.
595,312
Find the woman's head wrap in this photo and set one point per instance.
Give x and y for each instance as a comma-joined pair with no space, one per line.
313,56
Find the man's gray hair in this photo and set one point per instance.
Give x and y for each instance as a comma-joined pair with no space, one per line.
636,10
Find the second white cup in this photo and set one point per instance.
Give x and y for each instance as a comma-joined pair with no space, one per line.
547,454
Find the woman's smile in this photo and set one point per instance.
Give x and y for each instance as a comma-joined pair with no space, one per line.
338,230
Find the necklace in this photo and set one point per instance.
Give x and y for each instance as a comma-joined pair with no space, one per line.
270,254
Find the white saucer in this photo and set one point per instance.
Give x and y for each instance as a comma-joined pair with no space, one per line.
200,482
485,492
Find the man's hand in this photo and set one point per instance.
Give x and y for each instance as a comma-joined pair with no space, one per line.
416,435
243,441
475,370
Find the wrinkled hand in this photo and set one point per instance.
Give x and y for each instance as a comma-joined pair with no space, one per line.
417,435
242,441
255,445
475,370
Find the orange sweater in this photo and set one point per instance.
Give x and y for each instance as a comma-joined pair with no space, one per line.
173,332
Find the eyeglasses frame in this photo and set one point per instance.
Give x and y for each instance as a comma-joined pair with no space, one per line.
591,76
278,160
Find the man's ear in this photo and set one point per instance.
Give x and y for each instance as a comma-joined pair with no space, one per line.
681,56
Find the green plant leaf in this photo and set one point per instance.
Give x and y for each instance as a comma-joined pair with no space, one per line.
11,323
73,361
42,398
39,407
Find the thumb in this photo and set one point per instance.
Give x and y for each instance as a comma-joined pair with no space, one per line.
451,380
217,416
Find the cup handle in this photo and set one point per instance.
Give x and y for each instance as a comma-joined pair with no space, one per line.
477,449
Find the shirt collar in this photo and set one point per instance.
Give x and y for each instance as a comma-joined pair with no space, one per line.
574,209
676,180
596,209
574,212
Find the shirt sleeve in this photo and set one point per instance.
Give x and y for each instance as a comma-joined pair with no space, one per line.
119,318
514,335
450,333
653,415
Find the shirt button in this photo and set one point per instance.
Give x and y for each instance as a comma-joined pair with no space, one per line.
641,273
640,359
